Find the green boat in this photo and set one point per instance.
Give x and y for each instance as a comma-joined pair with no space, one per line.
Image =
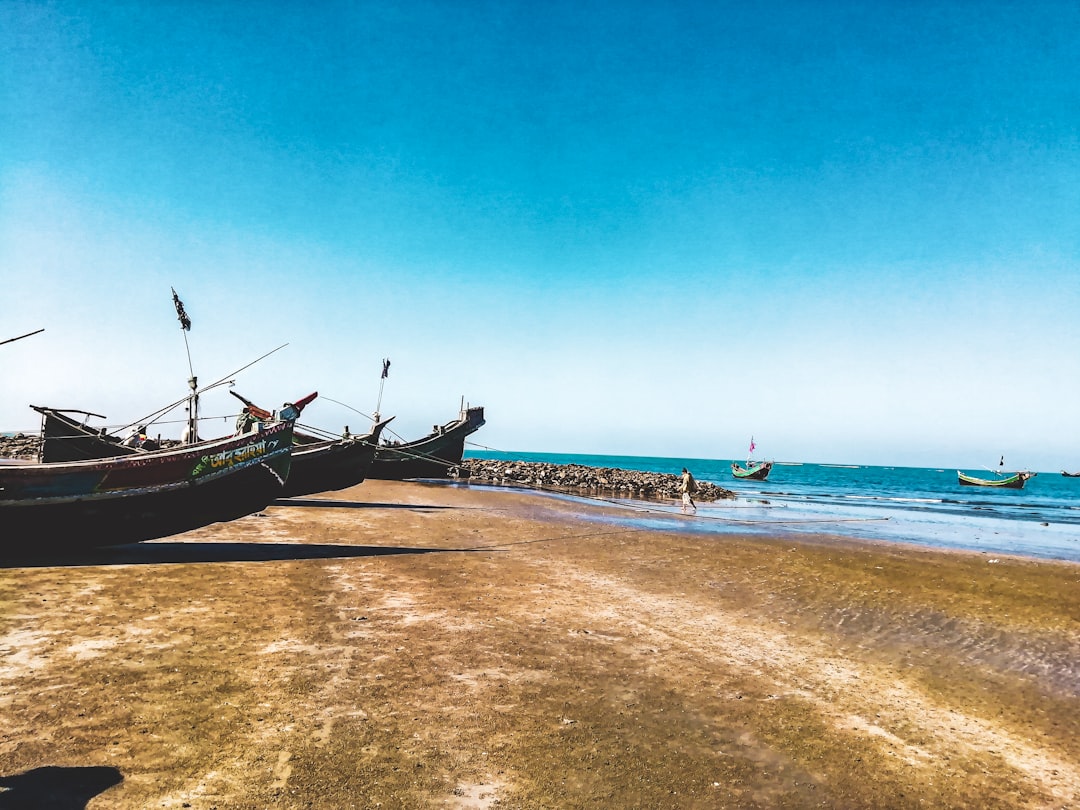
753,471
1014,481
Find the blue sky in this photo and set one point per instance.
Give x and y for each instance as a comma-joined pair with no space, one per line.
652,228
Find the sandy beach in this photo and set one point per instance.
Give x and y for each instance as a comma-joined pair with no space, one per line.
409,645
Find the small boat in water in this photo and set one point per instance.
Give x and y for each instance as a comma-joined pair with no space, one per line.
1070,474
753,471
1014,481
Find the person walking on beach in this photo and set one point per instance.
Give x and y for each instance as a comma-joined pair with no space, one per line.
688,486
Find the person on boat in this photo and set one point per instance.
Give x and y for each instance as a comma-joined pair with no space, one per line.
688,486
245,420
136,438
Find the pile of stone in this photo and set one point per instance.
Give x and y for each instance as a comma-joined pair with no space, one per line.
579,479
19,446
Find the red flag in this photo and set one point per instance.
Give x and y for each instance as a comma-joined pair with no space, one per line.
752,445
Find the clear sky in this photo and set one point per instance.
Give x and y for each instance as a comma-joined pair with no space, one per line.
850,230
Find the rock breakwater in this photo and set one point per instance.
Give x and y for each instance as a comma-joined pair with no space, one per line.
578,478
19,446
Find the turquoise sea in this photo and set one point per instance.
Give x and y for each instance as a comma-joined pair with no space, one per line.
927,506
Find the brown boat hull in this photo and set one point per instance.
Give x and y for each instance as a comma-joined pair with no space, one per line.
335,464
434,456
129,499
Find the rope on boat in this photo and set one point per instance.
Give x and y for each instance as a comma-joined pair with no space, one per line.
115,430
320,432
154,417
388,430
416,456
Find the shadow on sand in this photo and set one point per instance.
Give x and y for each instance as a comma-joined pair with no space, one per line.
332,504
161,553
56,788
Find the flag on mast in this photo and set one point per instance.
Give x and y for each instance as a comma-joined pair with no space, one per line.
185,321
752,445
385,369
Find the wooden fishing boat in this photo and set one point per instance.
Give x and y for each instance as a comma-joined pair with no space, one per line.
1070,474
433,456
142,496
1014,481
64,438
753,471
326,465
318,464
105,492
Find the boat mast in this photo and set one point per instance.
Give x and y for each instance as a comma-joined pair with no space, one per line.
192,433
382,383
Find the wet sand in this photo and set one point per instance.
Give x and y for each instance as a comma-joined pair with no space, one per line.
406,645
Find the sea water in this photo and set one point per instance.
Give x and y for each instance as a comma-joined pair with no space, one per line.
925,506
